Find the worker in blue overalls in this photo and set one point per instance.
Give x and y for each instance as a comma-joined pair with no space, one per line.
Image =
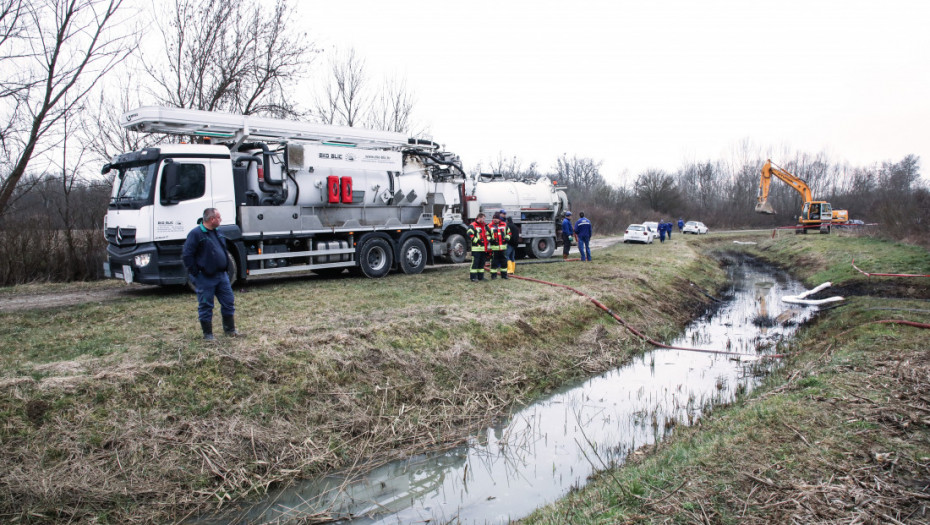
583,234
567,233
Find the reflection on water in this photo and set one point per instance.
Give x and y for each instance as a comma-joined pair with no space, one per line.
542,451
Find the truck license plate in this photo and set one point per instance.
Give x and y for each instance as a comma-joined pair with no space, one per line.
127,273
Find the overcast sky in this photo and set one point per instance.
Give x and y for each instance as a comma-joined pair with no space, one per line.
650,84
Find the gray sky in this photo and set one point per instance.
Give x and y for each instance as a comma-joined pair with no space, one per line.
652,84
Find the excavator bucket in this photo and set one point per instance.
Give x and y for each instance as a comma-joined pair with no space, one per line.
765,207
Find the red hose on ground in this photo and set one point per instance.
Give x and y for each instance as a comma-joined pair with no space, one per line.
639,334
868,274
899,321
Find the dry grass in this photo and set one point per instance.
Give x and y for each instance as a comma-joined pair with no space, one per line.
116,412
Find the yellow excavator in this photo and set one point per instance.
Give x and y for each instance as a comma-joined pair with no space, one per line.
814,214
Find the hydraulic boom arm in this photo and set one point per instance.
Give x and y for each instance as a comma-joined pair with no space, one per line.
763,206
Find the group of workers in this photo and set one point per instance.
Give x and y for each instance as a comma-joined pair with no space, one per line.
665,229
581,232
497,240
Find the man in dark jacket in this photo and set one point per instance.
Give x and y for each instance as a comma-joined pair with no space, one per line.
204,256
583,231
568,231
512,245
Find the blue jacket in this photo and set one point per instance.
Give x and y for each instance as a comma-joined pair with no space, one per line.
567,226
204,252
583,227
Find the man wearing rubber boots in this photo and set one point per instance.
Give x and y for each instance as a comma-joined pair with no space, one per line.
498,236
478,233
204,256
567,233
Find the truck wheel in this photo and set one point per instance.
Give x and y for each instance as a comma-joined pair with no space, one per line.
457,248
232,270
542,247
375,258
412,256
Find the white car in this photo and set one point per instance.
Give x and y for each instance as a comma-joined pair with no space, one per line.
653,228
638,233
694,227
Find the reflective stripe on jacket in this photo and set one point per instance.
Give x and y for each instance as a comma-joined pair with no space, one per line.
478,233
498,235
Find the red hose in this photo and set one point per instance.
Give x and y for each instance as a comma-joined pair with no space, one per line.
639,334
900,321
868,274
887,321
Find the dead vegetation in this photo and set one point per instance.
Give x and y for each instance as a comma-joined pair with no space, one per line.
840,435
148,425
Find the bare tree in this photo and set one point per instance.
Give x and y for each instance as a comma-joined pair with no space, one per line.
53,53
345,100
657,189
392,108
579,173
230,55
100,133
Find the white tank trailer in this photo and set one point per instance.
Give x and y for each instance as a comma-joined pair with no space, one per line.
536,205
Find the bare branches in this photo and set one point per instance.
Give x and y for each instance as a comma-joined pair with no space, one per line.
344,100
579,172
55,53
230,56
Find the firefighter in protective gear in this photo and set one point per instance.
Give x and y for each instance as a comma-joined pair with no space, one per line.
498,235
478,233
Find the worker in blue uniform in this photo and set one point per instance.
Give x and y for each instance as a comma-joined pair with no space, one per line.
583,233
567,233
204,256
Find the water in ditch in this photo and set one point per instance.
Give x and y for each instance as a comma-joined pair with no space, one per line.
544,450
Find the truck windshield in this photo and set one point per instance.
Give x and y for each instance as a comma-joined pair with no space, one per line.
133,187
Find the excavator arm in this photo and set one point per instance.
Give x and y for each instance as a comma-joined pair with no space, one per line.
768,171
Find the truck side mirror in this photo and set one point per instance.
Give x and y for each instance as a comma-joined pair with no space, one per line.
171,183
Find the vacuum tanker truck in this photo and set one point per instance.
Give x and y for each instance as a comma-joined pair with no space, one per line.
298,197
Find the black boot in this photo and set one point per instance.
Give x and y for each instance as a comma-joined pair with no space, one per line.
207,327
229,326
503,275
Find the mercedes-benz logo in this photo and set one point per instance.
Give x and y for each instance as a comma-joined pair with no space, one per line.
119,234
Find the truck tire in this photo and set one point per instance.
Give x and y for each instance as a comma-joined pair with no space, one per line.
542,247
458,248
412,256
375,258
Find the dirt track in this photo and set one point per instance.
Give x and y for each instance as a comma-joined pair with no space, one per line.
33,301
42,300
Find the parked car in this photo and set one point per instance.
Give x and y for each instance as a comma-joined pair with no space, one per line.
694,227
638,233
653,228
